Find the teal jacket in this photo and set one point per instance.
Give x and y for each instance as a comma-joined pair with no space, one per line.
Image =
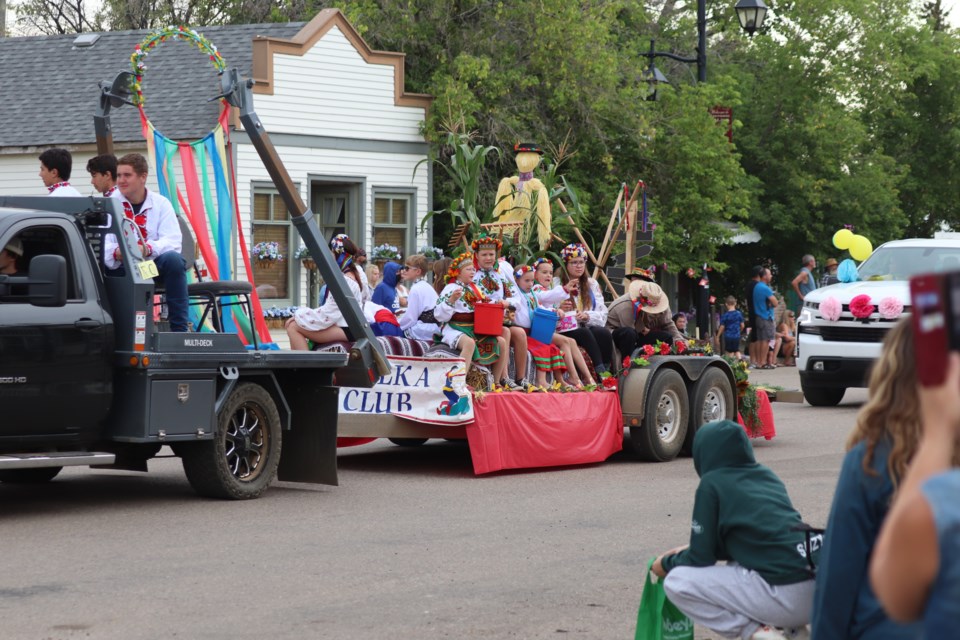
741,511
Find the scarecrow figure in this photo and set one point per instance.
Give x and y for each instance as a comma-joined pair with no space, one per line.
522,195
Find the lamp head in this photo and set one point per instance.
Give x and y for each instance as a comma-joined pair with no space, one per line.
751,14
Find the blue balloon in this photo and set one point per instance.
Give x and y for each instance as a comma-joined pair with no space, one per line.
847,271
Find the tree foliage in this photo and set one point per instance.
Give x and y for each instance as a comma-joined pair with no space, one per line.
845,110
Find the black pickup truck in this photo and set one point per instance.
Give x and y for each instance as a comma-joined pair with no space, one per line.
88,378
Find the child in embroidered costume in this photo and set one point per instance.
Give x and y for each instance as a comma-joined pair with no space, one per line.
591,312
548,298
455,310
496,288
546,357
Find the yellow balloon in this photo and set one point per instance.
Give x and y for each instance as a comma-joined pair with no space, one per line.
860,248
842,239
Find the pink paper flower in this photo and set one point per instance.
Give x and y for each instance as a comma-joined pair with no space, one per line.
830,309
890,308
861,307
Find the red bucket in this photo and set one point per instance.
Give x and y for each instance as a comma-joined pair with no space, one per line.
488,319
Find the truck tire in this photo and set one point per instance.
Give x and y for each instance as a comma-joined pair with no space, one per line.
241,461
407,442
661,435
823,397
711,399
38,475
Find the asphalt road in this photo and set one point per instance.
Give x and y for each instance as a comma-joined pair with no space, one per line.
410,545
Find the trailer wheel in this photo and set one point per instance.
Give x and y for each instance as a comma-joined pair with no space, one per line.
664,427
241,460
38,475
407,442
711,400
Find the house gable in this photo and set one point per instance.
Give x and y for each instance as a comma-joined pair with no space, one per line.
339,86
265,47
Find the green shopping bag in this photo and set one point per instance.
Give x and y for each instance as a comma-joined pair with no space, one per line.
658,618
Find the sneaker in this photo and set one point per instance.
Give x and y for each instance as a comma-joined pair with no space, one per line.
767,633
510,385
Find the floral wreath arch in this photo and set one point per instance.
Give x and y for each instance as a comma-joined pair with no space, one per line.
208,197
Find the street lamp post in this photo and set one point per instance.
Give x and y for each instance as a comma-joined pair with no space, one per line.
750,14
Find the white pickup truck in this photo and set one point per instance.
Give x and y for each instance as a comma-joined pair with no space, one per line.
835,355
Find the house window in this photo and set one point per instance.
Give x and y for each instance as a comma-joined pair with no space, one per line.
392,214
271,223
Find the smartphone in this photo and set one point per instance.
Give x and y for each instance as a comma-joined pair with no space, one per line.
936,323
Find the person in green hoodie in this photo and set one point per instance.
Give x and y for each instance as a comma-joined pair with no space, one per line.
743,515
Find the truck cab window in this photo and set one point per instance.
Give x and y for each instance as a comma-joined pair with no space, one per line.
36,241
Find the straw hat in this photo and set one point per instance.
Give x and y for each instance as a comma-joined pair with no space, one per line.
831,262
641,274
651,296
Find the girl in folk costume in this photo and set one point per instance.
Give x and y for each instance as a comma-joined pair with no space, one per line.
546,357
422,298
325,323
455,310
586,299
497,288
547,298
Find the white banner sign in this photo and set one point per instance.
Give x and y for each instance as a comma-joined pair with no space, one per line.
431,390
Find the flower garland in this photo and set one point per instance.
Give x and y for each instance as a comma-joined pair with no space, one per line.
748,406
138,59
680,348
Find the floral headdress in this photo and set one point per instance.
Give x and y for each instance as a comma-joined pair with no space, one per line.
521,270
336,245
574,250
485,241
539,261
458,263
344,261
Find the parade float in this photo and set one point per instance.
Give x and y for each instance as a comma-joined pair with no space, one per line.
652,405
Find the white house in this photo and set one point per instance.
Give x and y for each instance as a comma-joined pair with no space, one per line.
346,130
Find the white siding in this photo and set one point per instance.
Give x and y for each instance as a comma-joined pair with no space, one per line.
332,91
20,174
382,170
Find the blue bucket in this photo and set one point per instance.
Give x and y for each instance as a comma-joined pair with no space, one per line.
542,325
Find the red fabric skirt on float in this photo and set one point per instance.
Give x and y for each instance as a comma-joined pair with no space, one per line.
766,428
529,430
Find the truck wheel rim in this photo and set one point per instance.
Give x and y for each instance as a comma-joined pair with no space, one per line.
247,442
714,406
667,416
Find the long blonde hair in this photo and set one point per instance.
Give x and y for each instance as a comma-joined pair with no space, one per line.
893,408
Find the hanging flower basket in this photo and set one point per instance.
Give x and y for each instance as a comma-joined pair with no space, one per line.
309,264
266,254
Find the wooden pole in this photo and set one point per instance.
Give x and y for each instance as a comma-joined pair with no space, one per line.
606,236
606,250
631,227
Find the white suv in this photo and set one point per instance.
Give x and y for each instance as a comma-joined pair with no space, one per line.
835,355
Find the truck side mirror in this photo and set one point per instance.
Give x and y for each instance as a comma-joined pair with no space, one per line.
48,281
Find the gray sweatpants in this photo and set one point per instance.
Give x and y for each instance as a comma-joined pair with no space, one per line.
735,602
